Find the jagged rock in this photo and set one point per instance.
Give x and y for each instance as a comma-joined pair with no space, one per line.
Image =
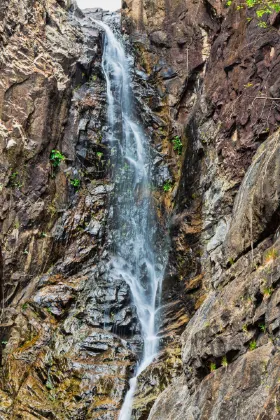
206,77
225,221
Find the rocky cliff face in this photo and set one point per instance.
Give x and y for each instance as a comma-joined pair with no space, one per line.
206,77
217,75
57,359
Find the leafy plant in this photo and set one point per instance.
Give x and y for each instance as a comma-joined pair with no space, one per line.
99,155
167,186
4,342
224,361
231,261
268,291
76,183
263,7
212,366
14,180
253,345
177,145
56,157
245,328
24,306
262,327
49,384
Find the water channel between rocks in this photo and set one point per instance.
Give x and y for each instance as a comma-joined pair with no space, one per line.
135,257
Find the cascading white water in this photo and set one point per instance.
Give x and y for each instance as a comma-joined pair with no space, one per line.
134,223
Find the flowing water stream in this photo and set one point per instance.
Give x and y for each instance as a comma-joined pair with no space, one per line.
135,258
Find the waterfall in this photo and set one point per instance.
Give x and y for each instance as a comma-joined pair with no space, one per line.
136,258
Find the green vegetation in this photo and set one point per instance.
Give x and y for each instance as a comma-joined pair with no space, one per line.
253,345
262,327
245,328
231,261
4,343
14,180
224,361
99,155
167,186
177,145
212,366
49,384
263,7
268,291
76,183
24,306
56,157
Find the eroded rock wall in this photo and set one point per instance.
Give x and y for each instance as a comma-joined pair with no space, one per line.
57,359
216,70
206,75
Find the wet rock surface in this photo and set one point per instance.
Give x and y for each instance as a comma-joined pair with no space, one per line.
70,337
214,68
67,334
206,79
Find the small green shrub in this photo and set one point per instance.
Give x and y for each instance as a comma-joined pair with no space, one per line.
224,361
213,367
14,175
76,183
268,291
263,7
24,306
262,327
167,186
245,328
99,155
231,261
56,157
49,384
253,345
14,181
177,145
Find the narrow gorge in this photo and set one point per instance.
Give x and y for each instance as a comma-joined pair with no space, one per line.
140,211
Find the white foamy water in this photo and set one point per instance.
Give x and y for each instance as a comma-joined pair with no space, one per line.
134,259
